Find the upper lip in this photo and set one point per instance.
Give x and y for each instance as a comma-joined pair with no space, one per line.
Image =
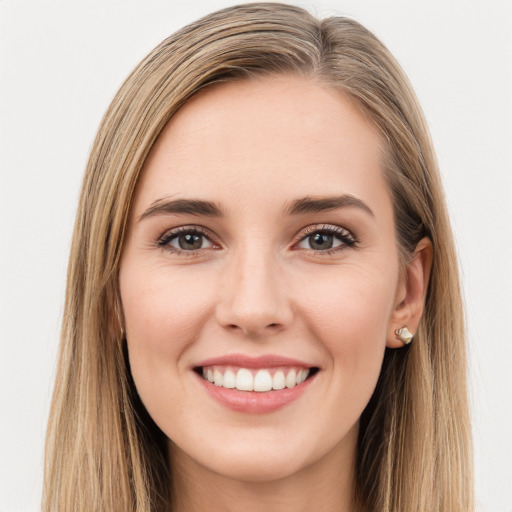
244,361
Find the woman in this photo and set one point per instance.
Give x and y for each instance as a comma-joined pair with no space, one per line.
261,232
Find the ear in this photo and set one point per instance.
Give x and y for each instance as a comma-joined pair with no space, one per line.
411,293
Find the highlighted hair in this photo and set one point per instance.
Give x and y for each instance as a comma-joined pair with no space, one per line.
103,452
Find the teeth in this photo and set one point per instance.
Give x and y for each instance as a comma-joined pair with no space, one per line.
278,381
218,378
255,380
244,380
229,380
262,381
291,379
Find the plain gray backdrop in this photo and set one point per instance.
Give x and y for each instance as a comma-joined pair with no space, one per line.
60,65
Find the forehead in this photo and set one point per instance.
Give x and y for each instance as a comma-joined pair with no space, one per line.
257,138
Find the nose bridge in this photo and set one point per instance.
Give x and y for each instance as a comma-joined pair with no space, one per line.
253,296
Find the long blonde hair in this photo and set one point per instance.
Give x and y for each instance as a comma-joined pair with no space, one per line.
103,452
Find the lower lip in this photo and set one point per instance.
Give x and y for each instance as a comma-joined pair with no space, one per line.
255,402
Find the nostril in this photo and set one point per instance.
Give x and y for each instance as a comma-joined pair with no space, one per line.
253,329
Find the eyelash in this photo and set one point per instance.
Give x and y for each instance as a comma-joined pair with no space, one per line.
165,240
347,239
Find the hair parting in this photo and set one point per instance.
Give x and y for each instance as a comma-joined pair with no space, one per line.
103,451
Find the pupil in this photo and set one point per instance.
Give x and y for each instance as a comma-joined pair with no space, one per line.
321,241
189,241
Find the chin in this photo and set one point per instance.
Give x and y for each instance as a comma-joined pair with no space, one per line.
262,456
256,468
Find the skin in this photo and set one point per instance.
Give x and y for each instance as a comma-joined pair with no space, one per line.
257,287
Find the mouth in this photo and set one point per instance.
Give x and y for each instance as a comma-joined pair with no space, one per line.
259,380
255,385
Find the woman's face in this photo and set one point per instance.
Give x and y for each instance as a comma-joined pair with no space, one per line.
261,250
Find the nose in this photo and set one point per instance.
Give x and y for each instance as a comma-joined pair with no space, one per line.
253,295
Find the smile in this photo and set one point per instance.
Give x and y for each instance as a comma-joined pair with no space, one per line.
259,380
255,384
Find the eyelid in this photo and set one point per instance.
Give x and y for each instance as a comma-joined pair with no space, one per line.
347,238
345,235
163,241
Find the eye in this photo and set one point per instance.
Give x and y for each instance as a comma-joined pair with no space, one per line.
326,238
185,239
189,242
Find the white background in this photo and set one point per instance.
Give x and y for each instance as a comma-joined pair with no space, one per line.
60,64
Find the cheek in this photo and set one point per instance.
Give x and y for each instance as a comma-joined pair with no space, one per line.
350,317
351,305
164,313
162,309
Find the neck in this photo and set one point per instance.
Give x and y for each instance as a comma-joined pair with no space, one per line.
327,485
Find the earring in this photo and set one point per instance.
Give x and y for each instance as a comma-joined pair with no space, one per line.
404,335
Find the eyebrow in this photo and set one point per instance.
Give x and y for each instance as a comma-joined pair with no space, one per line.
300,206
187,206
322,204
